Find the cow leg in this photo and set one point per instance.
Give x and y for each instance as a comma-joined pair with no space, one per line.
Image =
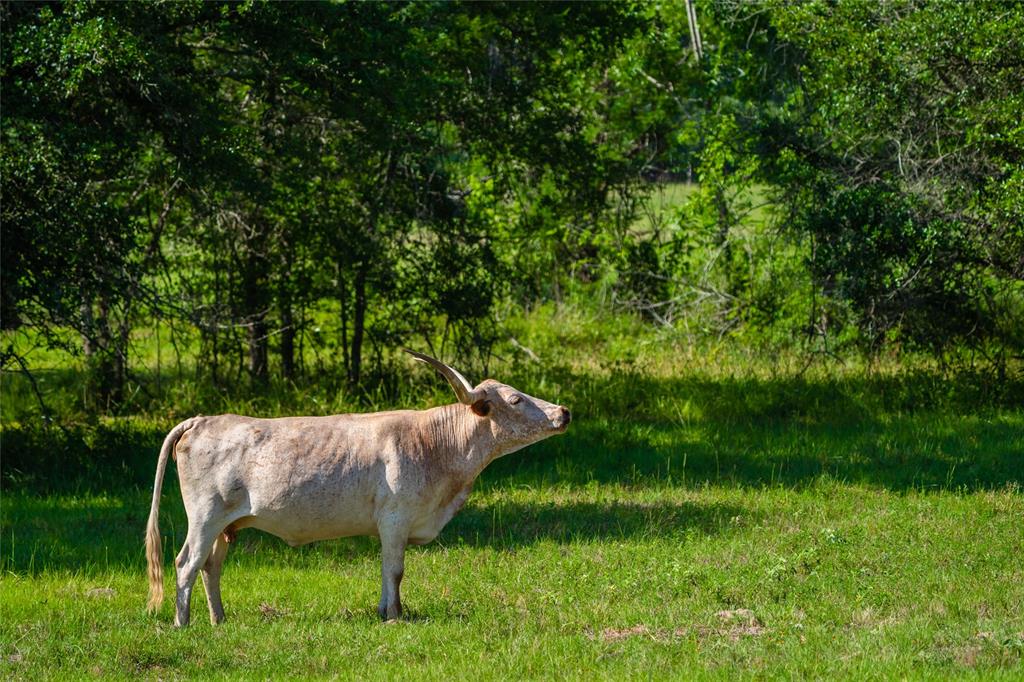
197,547
392,545
211,578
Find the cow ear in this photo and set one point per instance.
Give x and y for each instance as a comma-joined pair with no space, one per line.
481,408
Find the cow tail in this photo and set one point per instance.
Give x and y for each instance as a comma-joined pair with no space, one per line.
154,545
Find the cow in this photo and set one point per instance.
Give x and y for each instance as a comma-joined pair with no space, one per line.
399,475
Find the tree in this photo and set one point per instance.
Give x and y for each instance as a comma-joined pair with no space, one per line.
98,102
907,166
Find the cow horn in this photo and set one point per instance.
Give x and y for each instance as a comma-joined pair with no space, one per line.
463,390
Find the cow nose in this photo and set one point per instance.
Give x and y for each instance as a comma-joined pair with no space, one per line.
566,416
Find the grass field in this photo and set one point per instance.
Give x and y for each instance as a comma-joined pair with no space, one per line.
708,514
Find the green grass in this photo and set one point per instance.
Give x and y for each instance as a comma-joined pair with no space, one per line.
708,514
600,580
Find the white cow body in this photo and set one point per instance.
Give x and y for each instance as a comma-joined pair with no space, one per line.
398,475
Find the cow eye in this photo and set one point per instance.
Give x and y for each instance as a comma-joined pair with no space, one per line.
514,400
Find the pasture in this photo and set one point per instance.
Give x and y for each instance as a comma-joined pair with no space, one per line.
768,254
708,514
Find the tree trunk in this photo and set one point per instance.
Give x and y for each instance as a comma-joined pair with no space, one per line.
257,340
121,353
358,325
343,299
722,239
255,300
88,324
722,207
108,358
287,314
287,338
691,19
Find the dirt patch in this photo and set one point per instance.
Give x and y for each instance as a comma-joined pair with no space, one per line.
271,613
734,625
740,623
987,648
869,619
619,634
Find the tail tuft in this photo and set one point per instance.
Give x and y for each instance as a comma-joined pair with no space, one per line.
155,559
154,545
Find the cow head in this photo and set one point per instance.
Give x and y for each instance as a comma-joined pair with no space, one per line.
515,418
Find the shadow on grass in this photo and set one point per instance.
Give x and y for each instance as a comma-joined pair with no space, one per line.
630,394
94,535
915,452
914,430
507,525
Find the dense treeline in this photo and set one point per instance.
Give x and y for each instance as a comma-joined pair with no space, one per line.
272,174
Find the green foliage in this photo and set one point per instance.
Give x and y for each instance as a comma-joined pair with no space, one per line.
249,161
337,179
900,166
875,142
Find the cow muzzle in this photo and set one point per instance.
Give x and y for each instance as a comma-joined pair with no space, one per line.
562,419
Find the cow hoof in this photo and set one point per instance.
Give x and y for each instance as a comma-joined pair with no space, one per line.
389,615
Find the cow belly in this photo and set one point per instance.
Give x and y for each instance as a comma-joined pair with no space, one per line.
301,502
296,532
307,518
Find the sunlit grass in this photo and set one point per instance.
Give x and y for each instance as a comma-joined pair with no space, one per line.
580,581
711,512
